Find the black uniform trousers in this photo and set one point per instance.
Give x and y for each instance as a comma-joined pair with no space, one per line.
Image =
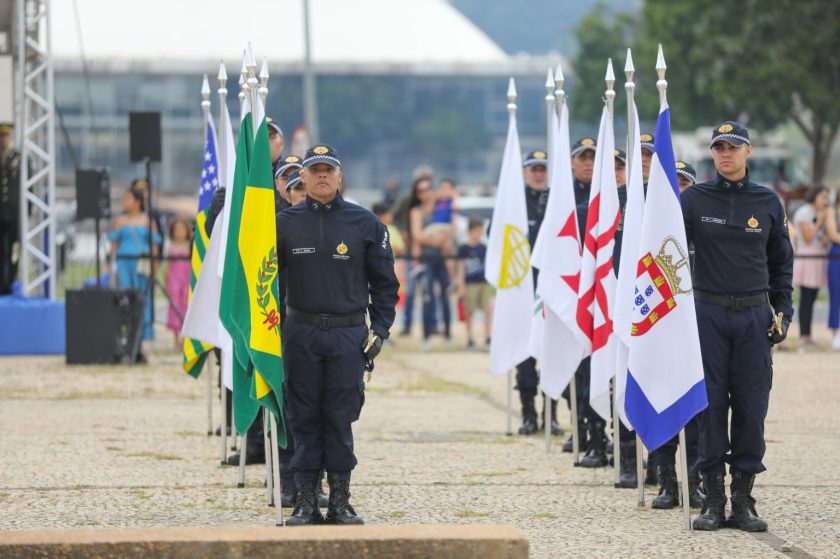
8,271
666,454
738,369
324,395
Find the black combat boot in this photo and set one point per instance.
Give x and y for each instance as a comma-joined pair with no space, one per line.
340,511
695,496
596,454
743,515
529,413
627,465
714,505
306,510
323,500
556,430
288,489
668,497
567,446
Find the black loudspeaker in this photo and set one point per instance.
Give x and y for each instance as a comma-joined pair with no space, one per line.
101,325
144,129
93,193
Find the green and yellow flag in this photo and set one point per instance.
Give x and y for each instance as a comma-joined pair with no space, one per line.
195,351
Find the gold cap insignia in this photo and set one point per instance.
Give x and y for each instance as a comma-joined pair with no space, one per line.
587,142
752,222
680,165
539,155
292,159
341,248
724,128
646,138
616,153
321,150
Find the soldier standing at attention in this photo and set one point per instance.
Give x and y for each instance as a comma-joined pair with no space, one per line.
743,270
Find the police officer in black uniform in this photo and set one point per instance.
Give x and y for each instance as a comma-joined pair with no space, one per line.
534,170
283,169
276,142
9,208
663,459
340,269
743,269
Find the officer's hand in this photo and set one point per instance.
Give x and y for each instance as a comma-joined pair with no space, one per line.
218,201
371,348
778,329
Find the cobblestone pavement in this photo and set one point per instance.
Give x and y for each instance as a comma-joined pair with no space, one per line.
118,446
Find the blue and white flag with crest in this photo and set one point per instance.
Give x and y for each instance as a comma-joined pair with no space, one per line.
665,383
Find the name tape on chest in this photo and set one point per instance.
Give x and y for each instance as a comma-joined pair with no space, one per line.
308,250
715,220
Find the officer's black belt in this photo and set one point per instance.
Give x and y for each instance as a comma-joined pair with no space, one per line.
731,301
327,321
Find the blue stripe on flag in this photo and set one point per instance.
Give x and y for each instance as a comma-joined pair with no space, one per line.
654,428
665,150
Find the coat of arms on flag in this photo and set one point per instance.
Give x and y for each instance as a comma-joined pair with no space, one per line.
658,280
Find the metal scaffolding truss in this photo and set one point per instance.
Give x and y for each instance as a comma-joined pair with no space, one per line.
38,262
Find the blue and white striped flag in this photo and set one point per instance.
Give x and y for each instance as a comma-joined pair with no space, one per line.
665,383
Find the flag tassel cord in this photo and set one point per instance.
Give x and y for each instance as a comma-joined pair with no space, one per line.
269,477
275,466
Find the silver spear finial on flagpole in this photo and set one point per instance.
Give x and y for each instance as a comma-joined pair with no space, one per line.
511,96
661,84
609,78
222,92
205,97
243,85
253,83
630,89
264,80
559,80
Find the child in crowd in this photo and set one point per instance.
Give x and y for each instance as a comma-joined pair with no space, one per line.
472,286
178,275
444,218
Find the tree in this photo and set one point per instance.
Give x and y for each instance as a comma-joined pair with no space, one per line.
760,61
599,37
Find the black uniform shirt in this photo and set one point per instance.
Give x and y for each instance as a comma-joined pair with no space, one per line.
339,261
740,238
535,202
582,190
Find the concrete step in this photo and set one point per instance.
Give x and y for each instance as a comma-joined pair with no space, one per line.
323,542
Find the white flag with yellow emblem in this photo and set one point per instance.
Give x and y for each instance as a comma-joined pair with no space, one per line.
508,263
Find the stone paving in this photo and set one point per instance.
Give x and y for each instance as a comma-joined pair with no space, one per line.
90,446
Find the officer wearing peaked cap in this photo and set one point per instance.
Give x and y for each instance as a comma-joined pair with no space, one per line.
283,169
340,271
686,175
9,208
534,170
646,141
743,269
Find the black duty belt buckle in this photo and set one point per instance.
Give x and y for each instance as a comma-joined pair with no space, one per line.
324,321
736,303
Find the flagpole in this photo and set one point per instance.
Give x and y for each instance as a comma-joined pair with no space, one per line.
662,86
269,477
275,466
205,108
509,430
560,101
549,110
221,155
242,451
609,78
630,88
